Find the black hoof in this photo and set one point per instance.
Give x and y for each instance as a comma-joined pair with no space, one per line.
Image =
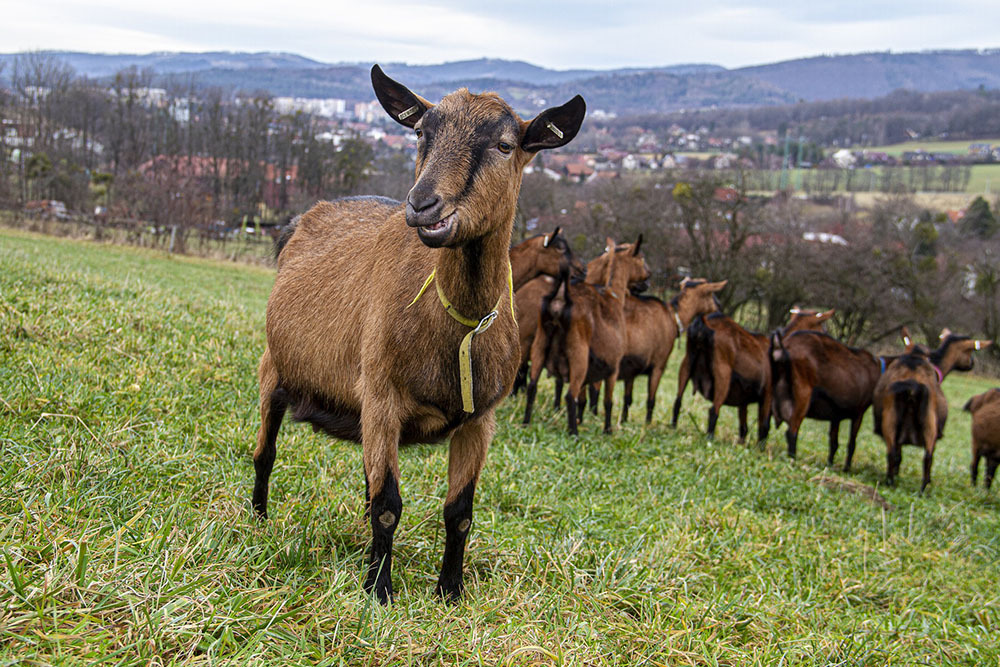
383,593
450,591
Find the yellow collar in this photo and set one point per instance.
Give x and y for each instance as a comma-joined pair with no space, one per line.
478,326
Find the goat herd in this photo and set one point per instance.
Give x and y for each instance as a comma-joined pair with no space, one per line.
357,347
596,326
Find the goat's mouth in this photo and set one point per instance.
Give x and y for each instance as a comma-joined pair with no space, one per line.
438,233
638,287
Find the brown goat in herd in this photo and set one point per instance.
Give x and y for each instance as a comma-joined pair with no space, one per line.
351,350
652,328
585,339
985,409
908,405
729,366
818,377
528,298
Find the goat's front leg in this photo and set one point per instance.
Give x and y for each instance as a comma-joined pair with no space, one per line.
380,429
273,402
465,459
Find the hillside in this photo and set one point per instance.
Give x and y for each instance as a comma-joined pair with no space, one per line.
656,89
129,410
867,75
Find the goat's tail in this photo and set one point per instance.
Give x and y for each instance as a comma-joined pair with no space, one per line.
910,400
286,233
783,400
700,345
561,281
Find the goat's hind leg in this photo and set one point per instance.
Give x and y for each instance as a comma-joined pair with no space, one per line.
465,459
273,402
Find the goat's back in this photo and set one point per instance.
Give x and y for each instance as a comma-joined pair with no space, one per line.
842,378
985,409
649,328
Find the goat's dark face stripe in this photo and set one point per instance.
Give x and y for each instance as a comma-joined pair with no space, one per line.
487,135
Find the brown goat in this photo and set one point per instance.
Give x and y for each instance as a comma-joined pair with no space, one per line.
585,340
909,407
351,350
528,295
816,376
729,366
985,409
652,327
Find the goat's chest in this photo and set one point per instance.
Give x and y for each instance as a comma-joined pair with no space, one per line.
431,373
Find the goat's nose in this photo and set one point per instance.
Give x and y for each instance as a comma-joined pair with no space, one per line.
421,202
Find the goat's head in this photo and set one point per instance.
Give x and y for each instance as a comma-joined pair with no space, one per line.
622,257
470,153
807,320
956,351
552,255
697,297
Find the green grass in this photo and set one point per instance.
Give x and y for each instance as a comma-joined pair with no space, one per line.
959,147
127,417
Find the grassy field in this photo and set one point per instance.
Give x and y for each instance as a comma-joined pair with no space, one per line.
960,147
127,416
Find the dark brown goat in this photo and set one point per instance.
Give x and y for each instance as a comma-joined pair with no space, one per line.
908,405
985,409
816,376
585,340
528,295
728,366
351,350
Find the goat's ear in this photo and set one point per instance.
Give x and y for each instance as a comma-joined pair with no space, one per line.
554,127
405,107
549,237
715,287
827,315
684,281
904,333
983,344
638,244
794,311
944,333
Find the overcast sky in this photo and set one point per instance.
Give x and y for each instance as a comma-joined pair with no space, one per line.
562,35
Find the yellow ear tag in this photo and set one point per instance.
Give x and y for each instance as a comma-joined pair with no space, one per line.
555,130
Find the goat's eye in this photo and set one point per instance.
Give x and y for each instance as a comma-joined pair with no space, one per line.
419,132
505,148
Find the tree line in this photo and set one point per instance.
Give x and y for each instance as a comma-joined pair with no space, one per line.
180,155
891,264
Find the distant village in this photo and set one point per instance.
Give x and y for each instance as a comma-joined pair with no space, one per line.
635,149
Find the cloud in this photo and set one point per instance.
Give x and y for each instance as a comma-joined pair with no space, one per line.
583,33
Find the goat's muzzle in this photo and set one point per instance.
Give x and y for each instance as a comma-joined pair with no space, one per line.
638,288
434,226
